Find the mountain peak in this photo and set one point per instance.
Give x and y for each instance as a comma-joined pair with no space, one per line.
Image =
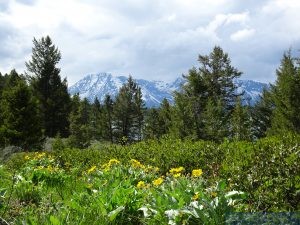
100,84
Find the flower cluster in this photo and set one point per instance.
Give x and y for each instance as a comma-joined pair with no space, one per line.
176,172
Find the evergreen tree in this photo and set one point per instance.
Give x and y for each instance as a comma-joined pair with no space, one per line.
80,128
164,117
128,112
212,85
285,95
152,125
50,90
184,122
213,120
21,124
241,122
107,133
139,110
96,120
261,114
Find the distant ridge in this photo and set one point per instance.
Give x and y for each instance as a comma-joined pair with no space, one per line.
98,85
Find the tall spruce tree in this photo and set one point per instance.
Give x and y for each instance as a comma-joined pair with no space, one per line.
213,120
128,112
212,85
241,125
164,117
80,123
107,132
285,95
261,113
152,125
50,90
96,120
21,124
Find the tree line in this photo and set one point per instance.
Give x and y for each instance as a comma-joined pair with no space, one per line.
36,105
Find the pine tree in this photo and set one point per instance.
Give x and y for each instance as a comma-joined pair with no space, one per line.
261,114
212,85
96,120
50,90
80,126
152,124
128,112
21,124
107,120
285,95
139,110
165,117
241,122
213,120
184,122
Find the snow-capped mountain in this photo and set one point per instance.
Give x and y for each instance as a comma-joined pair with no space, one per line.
98,85
252,90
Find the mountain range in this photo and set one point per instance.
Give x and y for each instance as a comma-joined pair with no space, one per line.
98,85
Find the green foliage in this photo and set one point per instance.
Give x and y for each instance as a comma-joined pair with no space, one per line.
261,114
21,124
47,192
128,112
241,122
267,170
158,121
205,103
285,95
50,90
90,186
80,128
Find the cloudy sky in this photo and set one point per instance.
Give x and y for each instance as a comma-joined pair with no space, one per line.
151,39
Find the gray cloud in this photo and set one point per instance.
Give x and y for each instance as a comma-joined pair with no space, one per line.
150,39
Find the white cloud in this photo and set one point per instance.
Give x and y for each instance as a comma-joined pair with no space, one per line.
152,39
242,34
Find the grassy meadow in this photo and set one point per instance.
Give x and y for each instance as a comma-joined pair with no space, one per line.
154,182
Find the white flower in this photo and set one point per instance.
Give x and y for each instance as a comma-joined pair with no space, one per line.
172,213
195,204
147,211
232,193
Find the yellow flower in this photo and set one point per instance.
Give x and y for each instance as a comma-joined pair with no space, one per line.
113,161
196,196
177,175
40,155
92,169
27,157
158,181
197,173
135,163
213,194
177,170
141,184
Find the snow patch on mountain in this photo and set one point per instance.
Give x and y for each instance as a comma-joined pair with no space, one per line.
98,85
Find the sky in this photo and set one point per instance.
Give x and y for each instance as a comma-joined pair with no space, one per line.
150,39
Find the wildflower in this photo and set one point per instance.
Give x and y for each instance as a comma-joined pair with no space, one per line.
113,161
213,194
196,196
50,168
197,173
176,170
135,163
27,157
141,184
92,169
158,181
176,175
40,155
